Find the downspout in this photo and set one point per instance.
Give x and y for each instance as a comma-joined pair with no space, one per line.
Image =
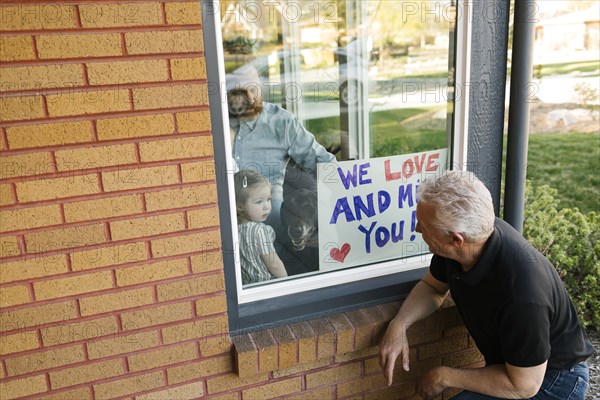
518,112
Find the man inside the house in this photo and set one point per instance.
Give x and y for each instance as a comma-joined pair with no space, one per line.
509,295
266,137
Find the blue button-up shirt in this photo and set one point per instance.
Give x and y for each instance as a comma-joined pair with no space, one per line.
267,144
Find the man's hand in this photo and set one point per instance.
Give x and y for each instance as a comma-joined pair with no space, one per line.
429,385
423,299
394,343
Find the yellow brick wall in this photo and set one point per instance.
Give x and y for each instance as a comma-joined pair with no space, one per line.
111,275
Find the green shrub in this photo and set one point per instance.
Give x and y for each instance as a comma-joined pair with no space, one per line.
571,241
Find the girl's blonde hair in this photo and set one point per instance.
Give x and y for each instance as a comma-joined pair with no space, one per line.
244,180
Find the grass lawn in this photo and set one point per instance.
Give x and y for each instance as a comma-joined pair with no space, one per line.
568,68
392,138
388,137
568,162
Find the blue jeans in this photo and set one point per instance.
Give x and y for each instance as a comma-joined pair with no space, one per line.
557,385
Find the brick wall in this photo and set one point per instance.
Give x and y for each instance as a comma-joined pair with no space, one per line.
111,282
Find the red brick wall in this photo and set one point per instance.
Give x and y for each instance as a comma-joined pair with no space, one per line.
111,278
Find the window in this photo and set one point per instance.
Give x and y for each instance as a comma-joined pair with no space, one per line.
358,107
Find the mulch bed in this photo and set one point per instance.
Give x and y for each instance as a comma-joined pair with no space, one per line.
594,363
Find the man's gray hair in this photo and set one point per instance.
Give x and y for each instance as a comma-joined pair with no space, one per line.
463,204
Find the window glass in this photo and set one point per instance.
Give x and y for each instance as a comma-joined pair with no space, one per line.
337,110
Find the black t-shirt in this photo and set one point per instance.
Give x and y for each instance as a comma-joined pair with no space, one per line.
514,304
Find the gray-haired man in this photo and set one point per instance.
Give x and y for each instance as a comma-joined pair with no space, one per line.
509,295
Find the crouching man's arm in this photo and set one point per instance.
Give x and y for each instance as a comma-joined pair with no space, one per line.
424,299
500,380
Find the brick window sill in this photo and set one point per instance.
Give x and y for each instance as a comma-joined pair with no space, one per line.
309,341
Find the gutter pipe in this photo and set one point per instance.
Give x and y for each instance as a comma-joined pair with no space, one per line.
518,112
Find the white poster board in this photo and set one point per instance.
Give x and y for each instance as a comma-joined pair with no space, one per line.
367,208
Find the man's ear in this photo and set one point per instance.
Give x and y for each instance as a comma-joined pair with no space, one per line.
457,239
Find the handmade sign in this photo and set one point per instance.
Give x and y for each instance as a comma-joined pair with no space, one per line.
367,208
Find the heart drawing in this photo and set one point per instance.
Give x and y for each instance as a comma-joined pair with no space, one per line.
339,255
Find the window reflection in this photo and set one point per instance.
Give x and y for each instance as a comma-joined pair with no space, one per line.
318,81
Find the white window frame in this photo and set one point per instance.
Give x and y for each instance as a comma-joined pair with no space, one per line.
457,157
462,78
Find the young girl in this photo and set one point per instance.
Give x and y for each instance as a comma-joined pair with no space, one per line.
258,258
